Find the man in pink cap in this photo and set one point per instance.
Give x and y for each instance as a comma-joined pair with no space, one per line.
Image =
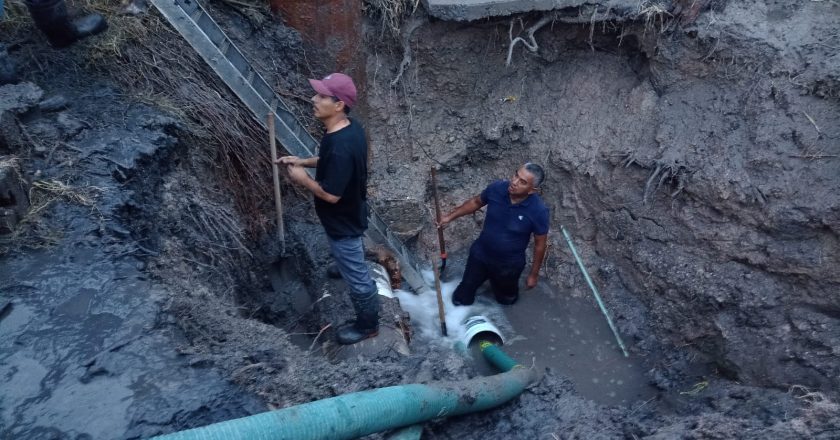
340,192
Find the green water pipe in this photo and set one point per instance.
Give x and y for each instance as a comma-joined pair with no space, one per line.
358,414
594,290
497,357
494,355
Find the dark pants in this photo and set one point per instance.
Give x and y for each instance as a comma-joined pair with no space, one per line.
503,276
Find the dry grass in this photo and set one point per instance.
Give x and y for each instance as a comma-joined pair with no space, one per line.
15,20
652,13
31,232
10,162
44,193
157,67
819,416
151,63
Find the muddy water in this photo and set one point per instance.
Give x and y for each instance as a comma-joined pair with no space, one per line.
292,294
546,328
570,335
80,355
85,349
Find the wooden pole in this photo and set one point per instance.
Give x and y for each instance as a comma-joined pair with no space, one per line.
278,197
441,243
441,314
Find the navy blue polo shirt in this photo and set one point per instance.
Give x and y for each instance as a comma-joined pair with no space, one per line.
508,227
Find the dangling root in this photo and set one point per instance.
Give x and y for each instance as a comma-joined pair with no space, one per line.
649,181
650,13
407,31
530,43
670,172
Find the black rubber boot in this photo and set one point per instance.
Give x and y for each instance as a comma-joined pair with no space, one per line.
50,16
366,324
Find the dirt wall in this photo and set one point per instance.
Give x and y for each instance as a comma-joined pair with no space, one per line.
697,167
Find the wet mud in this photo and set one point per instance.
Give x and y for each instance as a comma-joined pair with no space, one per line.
86,351
544,329
570,335
142,299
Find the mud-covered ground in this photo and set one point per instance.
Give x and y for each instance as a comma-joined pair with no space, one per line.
695,162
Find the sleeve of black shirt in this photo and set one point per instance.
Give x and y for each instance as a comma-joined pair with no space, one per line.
337,174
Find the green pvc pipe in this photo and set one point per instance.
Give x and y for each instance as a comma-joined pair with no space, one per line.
497,357
594,290
358,414
494,355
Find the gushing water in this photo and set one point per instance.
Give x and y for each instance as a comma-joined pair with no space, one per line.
423,309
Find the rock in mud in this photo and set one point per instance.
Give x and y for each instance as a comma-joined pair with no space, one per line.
11,138
70,126
8,68
19,98
15,99
13,197
53,104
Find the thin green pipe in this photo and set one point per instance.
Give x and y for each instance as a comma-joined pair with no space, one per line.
497,357
594,291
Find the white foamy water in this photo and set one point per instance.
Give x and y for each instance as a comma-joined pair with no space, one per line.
423,309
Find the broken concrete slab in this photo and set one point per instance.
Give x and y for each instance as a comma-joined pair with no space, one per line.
469,10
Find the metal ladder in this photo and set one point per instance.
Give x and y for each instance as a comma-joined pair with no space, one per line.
193,22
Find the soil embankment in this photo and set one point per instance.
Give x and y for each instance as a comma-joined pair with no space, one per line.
697,163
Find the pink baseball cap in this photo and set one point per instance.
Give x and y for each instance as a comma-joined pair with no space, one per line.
336,84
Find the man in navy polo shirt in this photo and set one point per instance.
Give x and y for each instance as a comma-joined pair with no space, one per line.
514,213
340,191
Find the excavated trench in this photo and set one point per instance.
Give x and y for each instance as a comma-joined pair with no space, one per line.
694,161
660,162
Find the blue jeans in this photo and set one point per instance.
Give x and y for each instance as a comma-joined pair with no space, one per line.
349,255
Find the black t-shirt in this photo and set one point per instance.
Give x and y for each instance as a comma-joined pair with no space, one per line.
342,172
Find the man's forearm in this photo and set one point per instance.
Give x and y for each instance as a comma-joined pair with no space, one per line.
309,162
539,255
470,206
315,188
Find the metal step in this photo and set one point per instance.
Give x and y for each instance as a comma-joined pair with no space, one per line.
193,22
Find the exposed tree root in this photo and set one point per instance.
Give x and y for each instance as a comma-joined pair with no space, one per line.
408,29
391,13
666,172
530,42
651,13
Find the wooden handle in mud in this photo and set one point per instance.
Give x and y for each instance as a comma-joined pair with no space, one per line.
278,197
